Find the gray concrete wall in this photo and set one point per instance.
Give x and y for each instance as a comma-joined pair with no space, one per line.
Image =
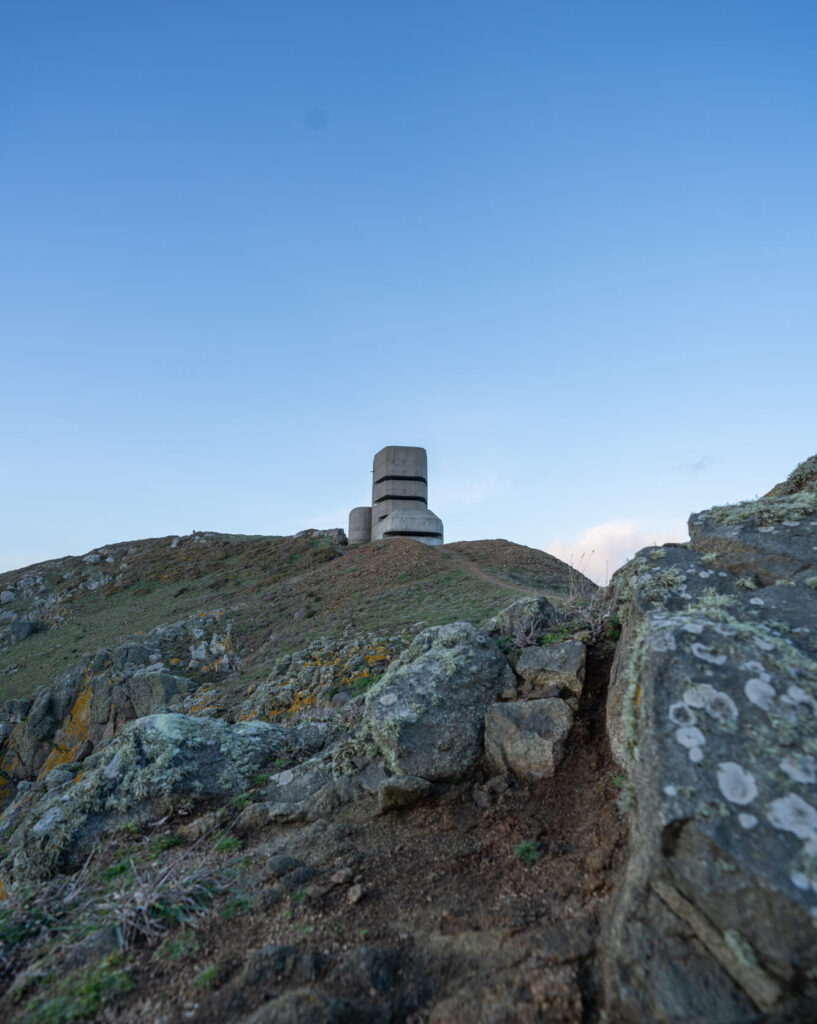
400,461
360,525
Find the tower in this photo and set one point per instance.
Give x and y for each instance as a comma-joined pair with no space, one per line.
399,500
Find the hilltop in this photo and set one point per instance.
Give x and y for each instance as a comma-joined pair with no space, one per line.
274,595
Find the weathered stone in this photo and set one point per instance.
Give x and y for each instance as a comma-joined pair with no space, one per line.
769,539
399,791
526,620
7,596
306,1006
17,709
21,629
131,655
425,716
712,713
560,665
155,758
527,737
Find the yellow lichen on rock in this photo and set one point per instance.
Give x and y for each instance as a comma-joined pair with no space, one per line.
71,734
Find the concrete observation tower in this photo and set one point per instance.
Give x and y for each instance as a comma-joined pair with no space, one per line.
399,505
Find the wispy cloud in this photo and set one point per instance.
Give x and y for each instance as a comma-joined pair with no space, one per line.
601,549
691,468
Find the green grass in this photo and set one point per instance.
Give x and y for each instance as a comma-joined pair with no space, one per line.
162,843
180,946
208,977
236,905
121,867
226,844
528,851
80,995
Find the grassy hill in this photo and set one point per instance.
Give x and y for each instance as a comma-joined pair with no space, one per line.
278,594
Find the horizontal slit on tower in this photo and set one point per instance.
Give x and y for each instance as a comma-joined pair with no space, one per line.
409,533
401,497
416,479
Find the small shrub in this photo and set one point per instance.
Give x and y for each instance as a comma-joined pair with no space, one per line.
528,851
208,977
121,867
177,947
166,842
235,905
226,843
556,637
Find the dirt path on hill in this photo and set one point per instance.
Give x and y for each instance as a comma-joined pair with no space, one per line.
474,570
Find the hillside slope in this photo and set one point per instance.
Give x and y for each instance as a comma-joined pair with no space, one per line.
277,594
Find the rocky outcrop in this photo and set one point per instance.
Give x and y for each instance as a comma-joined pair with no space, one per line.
92,701
155,759
712,715
422,724
765,540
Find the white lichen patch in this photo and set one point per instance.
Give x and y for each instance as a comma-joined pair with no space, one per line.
800,880
791,813
747,821
681,714
693,627
696,754
690,736
759,692
736,783
715,703
662,641
800,768
706,654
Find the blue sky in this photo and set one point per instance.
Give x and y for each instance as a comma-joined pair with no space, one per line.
569,248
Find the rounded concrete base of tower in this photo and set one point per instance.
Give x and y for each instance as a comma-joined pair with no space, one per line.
419,525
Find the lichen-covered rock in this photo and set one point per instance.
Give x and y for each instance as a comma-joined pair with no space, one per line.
712,713
560,665
399,791
527,737
154,758
769,539
425,716
21,629
525,621
328,672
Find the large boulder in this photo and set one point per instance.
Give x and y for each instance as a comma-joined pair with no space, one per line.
712,715
425,716
527,737
525,621
560,666
155,759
